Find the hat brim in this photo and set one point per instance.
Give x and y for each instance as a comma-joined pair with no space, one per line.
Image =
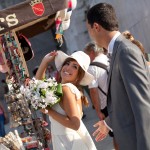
59,60
87,79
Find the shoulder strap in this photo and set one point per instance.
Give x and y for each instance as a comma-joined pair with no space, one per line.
99,64
102,91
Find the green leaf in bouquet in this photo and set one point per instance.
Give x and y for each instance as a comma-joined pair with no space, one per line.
53,88
59,90
43,92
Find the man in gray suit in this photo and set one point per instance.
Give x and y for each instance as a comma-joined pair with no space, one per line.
128,99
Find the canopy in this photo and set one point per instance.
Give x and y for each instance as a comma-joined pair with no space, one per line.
31,17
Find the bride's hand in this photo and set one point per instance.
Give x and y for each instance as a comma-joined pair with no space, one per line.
44,111
50,56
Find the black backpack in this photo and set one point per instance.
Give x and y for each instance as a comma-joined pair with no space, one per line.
103,66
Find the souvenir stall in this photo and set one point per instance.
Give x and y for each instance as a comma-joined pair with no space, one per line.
17,24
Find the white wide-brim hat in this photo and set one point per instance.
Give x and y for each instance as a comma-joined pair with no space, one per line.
82,59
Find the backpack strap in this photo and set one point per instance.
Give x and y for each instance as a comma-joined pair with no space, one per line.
99,64
102,91
103,66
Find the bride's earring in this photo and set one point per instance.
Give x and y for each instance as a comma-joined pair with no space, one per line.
76,80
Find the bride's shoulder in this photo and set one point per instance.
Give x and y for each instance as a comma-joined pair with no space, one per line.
73,89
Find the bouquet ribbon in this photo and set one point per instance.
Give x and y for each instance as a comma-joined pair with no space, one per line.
59,90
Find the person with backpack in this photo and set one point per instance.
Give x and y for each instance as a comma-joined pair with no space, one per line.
98,88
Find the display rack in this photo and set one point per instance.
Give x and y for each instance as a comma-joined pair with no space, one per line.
35,134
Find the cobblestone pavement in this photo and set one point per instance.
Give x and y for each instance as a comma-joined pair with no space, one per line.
89,121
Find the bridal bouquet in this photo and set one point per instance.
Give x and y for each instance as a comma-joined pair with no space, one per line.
42,93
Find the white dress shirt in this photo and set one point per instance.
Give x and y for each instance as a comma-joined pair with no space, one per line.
112,42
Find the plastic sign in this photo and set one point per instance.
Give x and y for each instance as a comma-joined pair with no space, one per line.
11,20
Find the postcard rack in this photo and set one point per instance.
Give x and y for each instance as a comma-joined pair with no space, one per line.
35,134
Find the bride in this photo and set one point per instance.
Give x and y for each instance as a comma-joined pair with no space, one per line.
67,128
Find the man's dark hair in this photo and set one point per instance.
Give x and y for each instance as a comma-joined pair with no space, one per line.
103,14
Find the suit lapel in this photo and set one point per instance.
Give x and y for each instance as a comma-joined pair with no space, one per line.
115,50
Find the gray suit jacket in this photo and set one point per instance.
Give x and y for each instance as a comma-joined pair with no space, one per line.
129,96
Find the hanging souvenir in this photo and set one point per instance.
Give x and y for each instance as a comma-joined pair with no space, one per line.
59,31
62,20
3,65
26,47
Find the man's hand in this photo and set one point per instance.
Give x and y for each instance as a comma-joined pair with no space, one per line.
101,132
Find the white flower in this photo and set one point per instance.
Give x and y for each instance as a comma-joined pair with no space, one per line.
42,85
40,105
35,107
22,89
43,106
35,98
49,95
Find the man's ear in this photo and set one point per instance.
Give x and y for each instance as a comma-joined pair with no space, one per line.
97,27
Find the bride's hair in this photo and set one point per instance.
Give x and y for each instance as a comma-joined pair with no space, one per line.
84,99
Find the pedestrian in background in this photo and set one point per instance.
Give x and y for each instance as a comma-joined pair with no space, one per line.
130,37
98,88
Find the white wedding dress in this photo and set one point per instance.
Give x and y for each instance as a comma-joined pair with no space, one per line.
64,138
